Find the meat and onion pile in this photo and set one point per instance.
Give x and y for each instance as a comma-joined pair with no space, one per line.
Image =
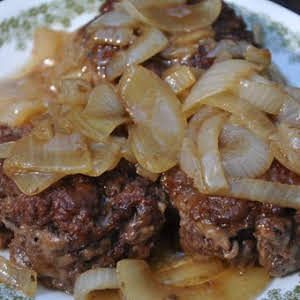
153,112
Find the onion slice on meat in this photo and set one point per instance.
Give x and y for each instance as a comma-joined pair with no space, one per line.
176,18
208,149
6,149
115,36
67,154
151,42
221,77
17,277
284,195
32,183
189,163
105,156
244,155
95,279
262,93
290,112
179,78
159,123
103,101
244,114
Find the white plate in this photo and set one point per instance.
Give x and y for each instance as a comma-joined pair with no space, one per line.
18,18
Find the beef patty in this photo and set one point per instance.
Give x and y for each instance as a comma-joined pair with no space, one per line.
81,222
238,231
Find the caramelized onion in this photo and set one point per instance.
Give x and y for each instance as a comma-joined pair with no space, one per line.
243,154
95,279
223,76
15,113
103,101
179,78
188,38
158,133
245,114
284,195
32,183
290,112
115,18
151,42
121,36
67,154
190,163
105,156
176,18
6,149
263,94
20,278
211,165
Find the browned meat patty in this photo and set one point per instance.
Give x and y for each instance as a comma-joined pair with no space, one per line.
238,231
81,222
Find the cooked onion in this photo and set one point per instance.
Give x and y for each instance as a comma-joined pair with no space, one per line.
263,94
245,114
284,195
74,91
15,113
93,127
105,156
189,163
120,36
158,133
293,92
33,183
188,38
151,42
179,78
67,154
285,146
211,165
290,112
257,55
95,279
175,52
176,18
6,149
103,101
115,18
243,154
223,76
146,174
20,278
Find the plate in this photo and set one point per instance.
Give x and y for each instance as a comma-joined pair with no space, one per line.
280,33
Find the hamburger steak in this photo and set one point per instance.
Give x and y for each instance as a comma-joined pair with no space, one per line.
82,222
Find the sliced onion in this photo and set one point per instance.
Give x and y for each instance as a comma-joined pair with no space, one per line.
293,92
188,38
20,278
284,195
208,149
74,91
6,149
157,3
157,114
223,76
150,155
95,279
146,174
105,157
189,163
263,94
175,52
245,114
243,154
95,128
115,18
286,147
176,18
258,55
151,42
15,113
103,101
179,78
33,183
290,112
120,36
67,154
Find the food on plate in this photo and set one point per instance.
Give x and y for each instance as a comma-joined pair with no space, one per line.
151,154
